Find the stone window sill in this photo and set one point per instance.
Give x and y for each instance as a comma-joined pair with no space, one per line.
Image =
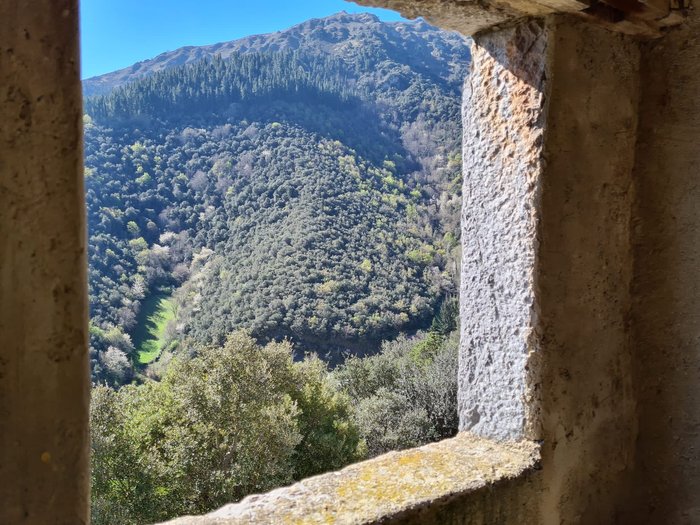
394,487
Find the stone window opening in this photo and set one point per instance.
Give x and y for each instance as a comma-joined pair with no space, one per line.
578,372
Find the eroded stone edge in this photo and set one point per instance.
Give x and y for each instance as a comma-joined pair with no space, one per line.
385,486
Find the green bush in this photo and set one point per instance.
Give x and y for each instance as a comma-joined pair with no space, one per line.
231,421
406,395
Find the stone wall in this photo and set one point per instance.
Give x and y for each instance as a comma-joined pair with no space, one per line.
584,267
44,377
580,319
550,132
666,283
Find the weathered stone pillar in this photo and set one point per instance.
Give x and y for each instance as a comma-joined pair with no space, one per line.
504,117
550,116
44,378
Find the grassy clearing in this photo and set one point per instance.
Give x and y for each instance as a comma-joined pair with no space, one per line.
149,337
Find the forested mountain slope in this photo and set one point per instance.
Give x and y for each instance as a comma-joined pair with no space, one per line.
303,184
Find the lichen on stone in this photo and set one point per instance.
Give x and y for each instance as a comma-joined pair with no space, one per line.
386,486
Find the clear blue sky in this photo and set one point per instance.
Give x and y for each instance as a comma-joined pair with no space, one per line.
117,33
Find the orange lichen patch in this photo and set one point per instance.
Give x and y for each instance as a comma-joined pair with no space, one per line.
385,486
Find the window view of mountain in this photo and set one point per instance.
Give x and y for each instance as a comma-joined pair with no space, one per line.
274,253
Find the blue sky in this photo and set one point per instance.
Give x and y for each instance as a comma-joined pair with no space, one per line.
117,33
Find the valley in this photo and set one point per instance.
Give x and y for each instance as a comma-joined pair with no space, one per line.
301,185
274,251
150,333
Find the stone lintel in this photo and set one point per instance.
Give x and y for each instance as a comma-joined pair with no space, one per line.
642,18
466,479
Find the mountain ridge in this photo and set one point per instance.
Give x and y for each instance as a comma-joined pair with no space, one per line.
314,34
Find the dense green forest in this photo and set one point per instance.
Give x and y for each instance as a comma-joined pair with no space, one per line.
241,418
307,192
273,261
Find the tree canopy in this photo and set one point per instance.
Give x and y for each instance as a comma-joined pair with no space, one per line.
290,192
